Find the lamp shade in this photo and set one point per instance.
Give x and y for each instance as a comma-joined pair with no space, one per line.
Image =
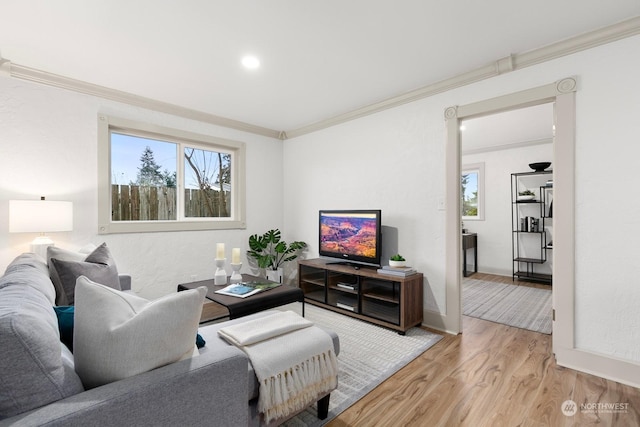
40,216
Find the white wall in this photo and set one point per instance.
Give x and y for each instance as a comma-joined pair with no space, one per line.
395,159
494,232
49,147
385,161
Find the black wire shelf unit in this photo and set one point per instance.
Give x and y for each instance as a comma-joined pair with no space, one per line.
532,226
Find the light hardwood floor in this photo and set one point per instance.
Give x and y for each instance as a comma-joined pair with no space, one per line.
508,280
491,375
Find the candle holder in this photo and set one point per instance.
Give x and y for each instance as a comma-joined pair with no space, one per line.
236,277
220,277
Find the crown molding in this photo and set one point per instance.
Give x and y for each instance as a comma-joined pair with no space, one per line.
508,146
504,65
621,30
585,41
38,76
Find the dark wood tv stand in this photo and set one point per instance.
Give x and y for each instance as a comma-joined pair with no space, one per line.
361,292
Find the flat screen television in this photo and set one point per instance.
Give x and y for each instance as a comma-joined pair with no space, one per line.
352,236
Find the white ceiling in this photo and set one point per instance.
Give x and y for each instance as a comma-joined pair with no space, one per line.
319,59
514,127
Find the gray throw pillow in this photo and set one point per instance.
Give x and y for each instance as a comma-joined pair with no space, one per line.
62,255
99,266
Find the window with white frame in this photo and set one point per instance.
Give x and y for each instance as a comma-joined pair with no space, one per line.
472,191
153,178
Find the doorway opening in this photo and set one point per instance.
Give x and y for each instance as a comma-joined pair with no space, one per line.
496,150
562,94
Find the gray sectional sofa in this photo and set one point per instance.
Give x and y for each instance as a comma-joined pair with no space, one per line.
39,386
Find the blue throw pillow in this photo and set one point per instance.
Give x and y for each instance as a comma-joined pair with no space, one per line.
65,326
200,342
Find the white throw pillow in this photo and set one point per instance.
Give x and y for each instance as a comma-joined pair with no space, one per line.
118,335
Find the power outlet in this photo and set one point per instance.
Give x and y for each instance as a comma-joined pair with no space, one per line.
441,204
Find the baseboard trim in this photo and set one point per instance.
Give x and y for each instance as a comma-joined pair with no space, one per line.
437,321
603,366
494,271
600,365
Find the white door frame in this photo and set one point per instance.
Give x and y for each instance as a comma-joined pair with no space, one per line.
562,93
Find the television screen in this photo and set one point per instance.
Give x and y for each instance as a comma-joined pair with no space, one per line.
352,236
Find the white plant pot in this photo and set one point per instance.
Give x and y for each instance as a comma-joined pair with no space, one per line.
275,275
393,263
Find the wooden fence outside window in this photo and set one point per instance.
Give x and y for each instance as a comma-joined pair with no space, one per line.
145,203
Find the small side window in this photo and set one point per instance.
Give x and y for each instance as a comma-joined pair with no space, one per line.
472,191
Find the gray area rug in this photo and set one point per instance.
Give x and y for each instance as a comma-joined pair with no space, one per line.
369,354
519,306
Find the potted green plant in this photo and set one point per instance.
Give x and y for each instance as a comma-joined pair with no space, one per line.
397,260
270,252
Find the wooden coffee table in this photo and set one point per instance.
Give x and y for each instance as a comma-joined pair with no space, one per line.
238,307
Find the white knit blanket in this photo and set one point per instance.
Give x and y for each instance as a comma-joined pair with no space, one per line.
294,361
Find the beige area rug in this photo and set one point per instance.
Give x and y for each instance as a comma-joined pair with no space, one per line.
369,354
519,306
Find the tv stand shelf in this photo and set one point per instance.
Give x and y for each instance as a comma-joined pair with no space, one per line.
363,293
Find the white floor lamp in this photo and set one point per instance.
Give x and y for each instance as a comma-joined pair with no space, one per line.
40,216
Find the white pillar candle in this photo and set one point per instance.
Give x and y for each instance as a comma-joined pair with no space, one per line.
220,251
235,256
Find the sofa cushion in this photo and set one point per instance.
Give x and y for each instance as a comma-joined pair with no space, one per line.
118,335
98,266
30,269
32,371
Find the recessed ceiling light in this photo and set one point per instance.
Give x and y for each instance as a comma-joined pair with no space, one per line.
250,62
